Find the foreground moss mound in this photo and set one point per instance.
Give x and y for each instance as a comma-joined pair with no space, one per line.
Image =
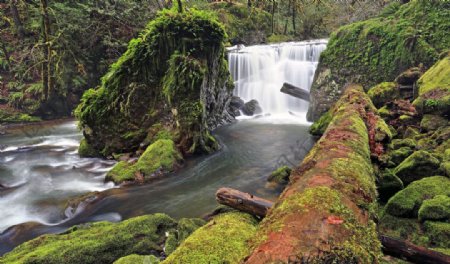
138,259
223,240
379,49
407,202
97,243
159,158
174,75
436,209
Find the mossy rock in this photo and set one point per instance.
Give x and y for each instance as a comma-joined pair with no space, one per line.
86,150
399,155
384,92
407,202
439,233
10,115
379,49
399,143
411,132
388,185
159,158
418,165
434,89
186,226
174,73
436,209
319,127
138,259
223,240
432,122
445,168
280,175
96,243
383,132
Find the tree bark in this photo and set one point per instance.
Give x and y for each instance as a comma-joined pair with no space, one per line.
180,6
413,253
243,201
17,21
273,17
293,18
46,65
295,91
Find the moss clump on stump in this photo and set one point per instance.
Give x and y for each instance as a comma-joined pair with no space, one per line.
177,54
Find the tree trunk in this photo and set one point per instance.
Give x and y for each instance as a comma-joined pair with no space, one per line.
243,201
17,21
287,18
295,91
293,18
180,6
273,17
47,64
411,252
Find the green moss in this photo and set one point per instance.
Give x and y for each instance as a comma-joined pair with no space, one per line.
96,243
410,132
384,112
13,116
432,122
434,89
439,233
319,127
399,143
280,175
407,202
399,155
223,240
159,158
186,226
388,185
435,209
418,165
382,131
384,92
138,259
86,150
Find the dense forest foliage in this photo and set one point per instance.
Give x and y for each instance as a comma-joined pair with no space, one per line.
52,51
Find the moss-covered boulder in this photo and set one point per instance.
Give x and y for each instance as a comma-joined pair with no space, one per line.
96,243
418,165
280,175
174,74
400,143
384,92
438,233
388,185
399,155
434,89
432,122
436,209
407,202
159,158
86,150
186,226
138,259
225,239
379,49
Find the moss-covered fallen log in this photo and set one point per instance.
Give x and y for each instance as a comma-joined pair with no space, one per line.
324,214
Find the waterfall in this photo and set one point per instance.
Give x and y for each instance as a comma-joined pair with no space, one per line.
260,71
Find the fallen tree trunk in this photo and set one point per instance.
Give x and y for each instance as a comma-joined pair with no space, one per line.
391,246
411,252
322,215
243,201
295,91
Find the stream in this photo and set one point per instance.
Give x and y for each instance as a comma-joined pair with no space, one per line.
41,169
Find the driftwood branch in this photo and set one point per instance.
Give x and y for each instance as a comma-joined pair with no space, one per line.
403,249
394,247
295,91
243,201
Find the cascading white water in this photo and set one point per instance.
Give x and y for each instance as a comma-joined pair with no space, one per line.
260,71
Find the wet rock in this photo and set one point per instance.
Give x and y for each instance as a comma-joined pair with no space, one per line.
236,104
252,108
432,122
409,77
280,175
419,165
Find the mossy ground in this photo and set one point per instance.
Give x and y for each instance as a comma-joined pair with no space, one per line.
8,115
223,240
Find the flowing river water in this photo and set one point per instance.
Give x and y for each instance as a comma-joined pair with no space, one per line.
42,171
